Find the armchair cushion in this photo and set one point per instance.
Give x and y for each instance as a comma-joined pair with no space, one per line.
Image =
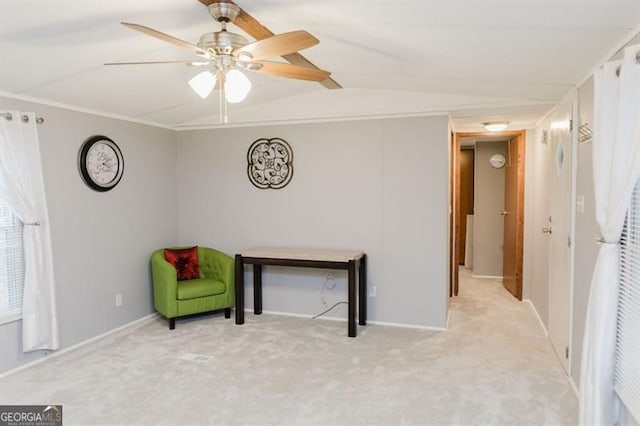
185,261
192,289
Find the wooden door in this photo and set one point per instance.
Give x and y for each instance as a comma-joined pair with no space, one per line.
466,198
513,214
456,214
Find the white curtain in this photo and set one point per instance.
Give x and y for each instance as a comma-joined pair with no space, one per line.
616,168
22,186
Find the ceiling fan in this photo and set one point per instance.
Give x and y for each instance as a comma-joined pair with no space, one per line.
225,54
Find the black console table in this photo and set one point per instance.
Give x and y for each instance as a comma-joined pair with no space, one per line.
352,261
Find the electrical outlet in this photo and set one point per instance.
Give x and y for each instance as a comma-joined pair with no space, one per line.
118,300
372,289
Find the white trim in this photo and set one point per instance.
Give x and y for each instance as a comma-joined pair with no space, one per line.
412,326
293,121
546,333
83,110
575,117
493,277
386,324
535,311
445,110
574,387
49,355
289,314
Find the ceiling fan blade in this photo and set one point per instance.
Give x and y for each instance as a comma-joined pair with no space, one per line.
278,45
255,29
166,37
299,60
290,71
153,62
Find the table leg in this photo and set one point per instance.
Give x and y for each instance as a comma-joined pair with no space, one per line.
362,284
352,299
257,289
239,289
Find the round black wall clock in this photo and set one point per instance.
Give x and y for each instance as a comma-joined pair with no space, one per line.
270,163
101,163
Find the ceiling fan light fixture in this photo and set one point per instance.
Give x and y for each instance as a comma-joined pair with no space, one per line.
495,126
252,66
236,86
244,56
203,83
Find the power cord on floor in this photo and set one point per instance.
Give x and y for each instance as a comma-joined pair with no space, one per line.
327,310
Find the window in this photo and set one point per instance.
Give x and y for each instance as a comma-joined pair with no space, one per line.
11,264
627,384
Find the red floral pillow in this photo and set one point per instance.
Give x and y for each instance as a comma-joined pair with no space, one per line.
185,261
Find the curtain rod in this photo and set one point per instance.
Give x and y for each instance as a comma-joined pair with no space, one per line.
24,117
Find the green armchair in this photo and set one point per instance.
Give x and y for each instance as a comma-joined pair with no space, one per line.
214,290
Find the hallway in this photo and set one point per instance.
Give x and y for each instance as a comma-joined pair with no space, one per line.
506,357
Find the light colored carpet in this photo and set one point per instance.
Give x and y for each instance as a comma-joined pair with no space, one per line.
493,366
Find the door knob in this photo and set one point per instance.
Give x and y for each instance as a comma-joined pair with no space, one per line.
546,230
504,213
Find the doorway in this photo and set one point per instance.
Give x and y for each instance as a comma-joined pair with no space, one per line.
498,200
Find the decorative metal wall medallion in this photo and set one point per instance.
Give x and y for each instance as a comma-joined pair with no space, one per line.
270,163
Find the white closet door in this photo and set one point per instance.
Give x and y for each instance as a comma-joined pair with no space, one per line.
561,202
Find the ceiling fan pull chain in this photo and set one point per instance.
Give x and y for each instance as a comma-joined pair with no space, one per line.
220,101
224,102
224,118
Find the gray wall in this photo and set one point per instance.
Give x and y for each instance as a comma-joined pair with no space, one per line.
101,241
376,185
488,227
537,243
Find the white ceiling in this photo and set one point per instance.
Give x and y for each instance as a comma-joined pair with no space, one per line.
478,60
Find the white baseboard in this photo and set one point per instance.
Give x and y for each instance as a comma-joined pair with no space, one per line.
546,333
535,311
387,324
491,277
413,326
56,354
575,388
289,314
